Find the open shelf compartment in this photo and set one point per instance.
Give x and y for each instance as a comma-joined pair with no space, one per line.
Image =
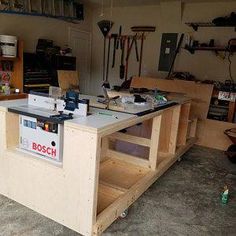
115,178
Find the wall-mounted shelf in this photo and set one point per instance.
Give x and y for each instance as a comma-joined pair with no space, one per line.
8,58
215,49
196,25
58,9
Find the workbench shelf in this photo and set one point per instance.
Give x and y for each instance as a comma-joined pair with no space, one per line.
116,178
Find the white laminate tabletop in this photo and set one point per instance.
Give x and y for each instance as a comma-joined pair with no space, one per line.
4,105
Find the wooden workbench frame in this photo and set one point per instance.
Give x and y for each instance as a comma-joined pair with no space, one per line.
96,182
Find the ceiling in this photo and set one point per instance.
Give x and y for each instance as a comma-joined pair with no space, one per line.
125,3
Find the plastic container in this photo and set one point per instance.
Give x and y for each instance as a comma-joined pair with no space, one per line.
8,45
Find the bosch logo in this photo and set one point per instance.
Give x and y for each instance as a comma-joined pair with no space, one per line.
44,149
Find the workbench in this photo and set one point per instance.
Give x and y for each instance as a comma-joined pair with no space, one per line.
96,181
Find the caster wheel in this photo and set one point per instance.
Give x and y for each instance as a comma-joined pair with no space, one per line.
124,214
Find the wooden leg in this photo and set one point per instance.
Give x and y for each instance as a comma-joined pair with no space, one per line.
183,124
193,128
105,147
156,124
174,130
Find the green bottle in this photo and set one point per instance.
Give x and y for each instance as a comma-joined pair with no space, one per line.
225,195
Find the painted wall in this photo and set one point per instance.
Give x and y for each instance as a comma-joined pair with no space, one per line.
31,28
167,17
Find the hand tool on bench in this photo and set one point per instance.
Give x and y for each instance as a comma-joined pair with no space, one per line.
114,36
122,66
142,30
105,27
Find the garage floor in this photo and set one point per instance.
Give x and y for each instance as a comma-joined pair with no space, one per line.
185,201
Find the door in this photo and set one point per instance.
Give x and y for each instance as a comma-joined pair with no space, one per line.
80,42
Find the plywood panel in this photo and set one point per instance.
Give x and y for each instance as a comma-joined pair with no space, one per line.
210,133
68,79
200,93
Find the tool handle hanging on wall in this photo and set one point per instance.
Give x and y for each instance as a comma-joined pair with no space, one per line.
142,30
104,60
129,48
105,27
127,58
108,59
136,48
119,41
122,67
175,55
114,49
141,55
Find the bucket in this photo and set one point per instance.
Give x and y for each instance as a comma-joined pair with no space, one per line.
8,45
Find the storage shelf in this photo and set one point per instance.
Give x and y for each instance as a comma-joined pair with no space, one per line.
121,174
196,25
115,178
8,58
215,49
65,18
106,196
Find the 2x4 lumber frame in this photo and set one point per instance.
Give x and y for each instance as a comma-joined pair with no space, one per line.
183,124
128,158
153,153
111,213
193,128
131,139
174,129
104,147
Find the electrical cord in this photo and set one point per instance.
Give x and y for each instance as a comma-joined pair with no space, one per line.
230,67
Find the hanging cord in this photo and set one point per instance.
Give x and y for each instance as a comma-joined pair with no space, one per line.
102,9
230,67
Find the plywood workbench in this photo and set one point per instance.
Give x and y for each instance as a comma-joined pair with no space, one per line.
96,182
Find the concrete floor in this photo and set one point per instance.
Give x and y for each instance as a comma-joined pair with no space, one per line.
184,201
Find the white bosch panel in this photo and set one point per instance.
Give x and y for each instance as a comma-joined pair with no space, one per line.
43,138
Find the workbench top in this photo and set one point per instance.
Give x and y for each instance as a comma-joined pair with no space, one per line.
98,118
98,121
